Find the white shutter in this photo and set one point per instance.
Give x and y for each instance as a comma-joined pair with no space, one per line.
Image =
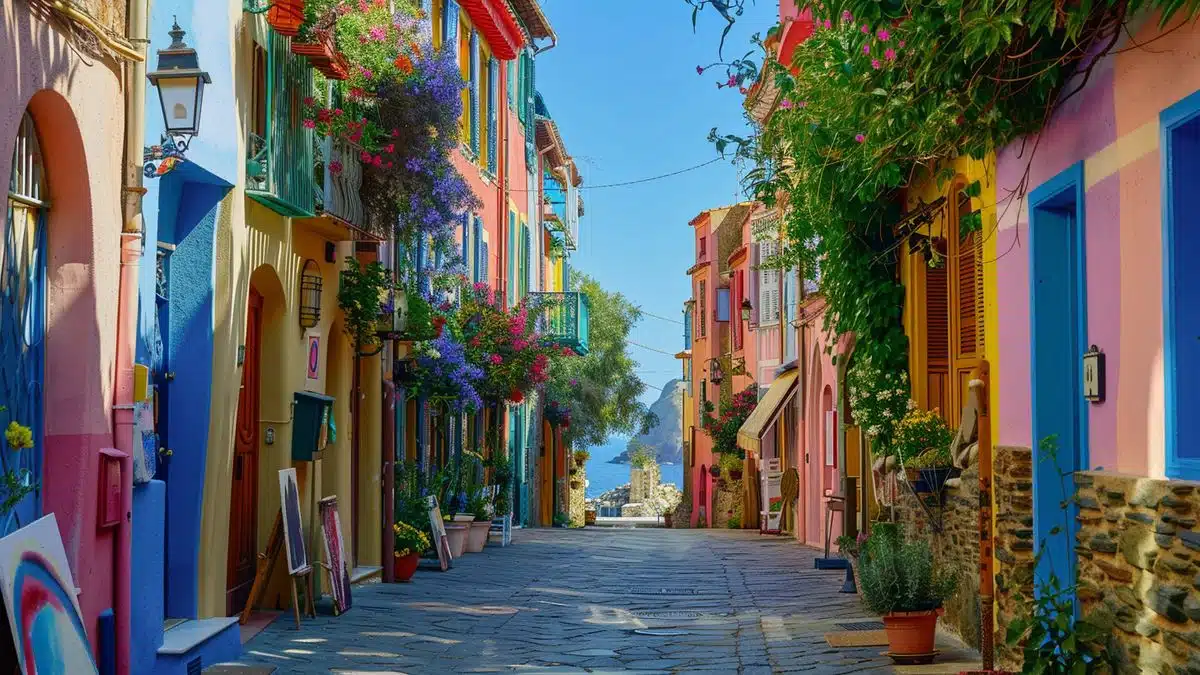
768,290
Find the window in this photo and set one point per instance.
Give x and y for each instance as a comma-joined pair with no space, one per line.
701,251
703,320
479,263
687,328
526,258
464,69
736,290
512,70
475,54
768,284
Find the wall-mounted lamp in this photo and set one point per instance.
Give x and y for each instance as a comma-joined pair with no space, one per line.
746,309
180,84
715,372
310,294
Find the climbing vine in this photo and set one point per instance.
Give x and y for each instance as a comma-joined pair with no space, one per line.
883,95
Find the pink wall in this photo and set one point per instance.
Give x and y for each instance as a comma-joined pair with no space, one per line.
820,375
78,108
1112,126
703,349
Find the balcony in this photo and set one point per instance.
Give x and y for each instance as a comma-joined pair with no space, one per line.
279,151
565,319
338,195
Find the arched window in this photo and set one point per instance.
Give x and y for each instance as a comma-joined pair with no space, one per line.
22,317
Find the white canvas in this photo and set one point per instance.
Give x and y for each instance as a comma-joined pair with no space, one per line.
35,574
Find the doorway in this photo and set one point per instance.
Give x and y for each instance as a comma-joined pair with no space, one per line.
243,507
1058,335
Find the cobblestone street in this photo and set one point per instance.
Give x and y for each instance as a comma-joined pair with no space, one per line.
596,600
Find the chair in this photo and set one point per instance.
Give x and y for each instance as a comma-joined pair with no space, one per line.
501,525
833,503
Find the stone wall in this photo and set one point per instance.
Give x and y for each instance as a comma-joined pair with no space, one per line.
956,545
578,499
729,503
1012,485
1139,557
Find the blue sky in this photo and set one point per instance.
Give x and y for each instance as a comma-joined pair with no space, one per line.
623,87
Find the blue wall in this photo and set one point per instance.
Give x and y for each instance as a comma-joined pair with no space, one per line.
148,556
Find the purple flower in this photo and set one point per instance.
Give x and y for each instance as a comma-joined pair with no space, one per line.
866,49
828,24
847,16
785,104
860,138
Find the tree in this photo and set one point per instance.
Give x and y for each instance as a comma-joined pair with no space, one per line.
640,455
601,390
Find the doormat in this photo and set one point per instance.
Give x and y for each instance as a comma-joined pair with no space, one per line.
861,625
857,638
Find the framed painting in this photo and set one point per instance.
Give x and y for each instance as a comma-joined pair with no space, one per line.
335,554
293,528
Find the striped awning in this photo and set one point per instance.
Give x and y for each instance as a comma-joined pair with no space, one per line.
767,412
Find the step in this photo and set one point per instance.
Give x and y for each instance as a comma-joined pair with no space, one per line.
198,642
235,669
364,573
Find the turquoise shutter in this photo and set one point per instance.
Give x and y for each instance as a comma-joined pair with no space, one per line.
528,260
480,260
466,242
483,264
493,105
475,92
450,28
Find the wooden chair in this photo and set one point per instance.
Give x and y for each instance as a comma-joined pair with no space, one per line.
833,503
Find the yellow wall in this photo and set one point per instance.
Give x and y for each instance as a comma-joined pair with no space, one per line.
913,266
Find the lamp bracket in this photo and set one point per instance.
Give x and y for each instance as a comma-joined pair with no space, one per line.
160,159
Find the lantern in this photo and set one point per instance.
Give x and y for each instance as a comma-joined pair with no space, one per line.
180,84
746,309
715,372
310,294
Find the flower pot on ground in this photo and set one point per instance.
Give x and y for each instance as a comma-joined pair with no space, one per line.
901,582
478,535
668,519
589,517
403,567
456,534
464,517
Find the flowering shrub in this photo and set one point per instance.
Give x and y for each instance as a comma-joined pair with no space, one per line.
558,414
505,344
15,484
362,294
924,435
723,429
443,374
878,400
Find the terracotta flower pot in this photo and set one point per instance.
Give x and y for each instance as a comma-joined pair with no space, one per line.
477,537
405,566
668,519
456,533
911,633
735,474
324,56
286,16
714,471
464,517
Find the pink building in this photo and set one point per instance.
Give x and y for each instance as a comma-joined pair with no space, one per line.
67,345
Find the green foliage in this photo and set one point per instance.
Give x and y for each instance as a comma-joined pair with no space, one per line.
409,539
409,497
582,456
641,455
601,388
878,399
561,520
1052,639
730,461
733,523
723,428
922,439
361,295
500,476
899,575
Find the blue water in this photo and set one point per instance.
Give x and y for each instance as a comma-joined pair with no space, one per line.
603,476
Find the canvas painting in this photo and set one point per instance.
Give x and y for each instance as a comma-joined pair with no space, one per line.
293,529
39,596
438,530
335,554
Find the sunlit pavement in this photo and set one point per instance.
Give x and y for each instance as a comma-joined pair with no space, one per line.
575,601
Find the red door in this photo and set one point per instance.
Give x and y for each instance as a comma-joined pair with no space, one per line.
243,511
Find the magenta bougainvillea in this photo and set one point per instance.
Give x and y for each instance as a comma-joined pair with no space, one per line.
723,428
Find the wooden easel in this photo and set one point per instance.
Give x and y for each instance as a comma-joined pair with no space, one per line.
266,564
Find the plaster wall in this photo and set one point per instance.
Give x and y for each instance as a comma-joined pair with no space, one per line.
1112,126
821,376
77,105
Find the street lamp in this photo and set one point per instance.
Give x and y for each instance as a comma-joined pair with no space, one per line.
180,84
746,309
715,372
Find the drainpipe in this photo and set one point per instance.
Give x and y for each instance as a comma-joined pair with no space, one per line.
127,311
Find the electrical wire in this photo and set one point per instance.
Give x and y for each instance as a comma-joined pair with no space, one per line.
663,318
639,181
652,349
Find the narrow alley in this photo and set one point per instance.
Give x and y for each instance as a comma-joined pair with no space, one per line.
645,600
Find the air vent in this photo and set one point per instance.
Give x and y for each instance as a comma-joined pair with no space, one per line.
194,666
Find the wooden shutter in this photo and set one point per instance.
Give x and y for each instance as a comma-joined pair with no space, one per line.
968,297
492,113
479,264
475,92
937,314
703,310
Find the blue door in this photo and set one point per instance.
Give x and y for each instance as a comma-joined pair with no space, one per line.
23,321
1058,333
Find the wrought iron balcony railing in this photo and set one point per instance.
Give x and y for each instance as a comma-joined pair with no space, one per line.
279,161
564,318
339,196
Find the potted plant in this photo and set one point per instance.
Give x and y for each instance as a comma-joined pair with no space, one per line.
919,432
714,471
933,468
286,16
901,582
480,510
410,544
589,517
668,518
581,457
561,520
731,464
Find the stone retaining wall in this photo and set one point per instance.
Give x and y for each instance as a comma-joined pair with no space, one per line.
1139,557
956,546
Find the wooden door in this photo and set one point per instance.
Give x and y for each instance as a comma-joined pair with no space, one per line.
243,511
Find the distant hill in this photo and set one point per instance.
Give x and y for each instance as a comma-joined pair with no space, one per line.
667,437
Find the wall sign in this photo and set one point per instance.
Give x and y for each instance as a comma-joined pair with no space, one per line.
312,354
1093,375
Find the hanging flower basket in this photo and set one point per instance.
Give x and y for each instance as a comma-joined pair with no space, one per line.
323,55
286,16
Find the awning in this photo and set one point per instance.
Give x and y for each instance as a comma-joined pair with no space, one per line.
760,420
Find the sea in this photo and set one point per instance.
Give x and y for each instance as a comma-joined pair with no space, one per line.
603,476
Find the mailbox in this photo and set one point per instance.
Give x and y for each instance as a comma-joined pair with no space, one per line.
312,416
111,488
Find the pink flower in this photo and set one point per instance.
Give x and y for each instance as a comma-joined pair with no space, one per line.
847,16
803,104
883,35
865,29
875,64
378,161
378,33
860,138
699,70
335,167
310,124
391,147
395,133
866,49
889,54
732,81
337,112
785,104
900,43
495,359
308,101
828,24
365,156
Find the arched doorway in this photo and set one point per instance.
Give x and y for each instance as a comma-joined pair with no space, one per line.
23,318
243,507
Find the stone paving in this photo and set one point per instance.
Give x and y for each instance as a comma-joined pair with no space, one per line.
594,600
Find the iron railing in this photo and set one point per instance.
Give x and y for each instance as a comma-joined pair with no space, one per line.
279,163
564,318
340,194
